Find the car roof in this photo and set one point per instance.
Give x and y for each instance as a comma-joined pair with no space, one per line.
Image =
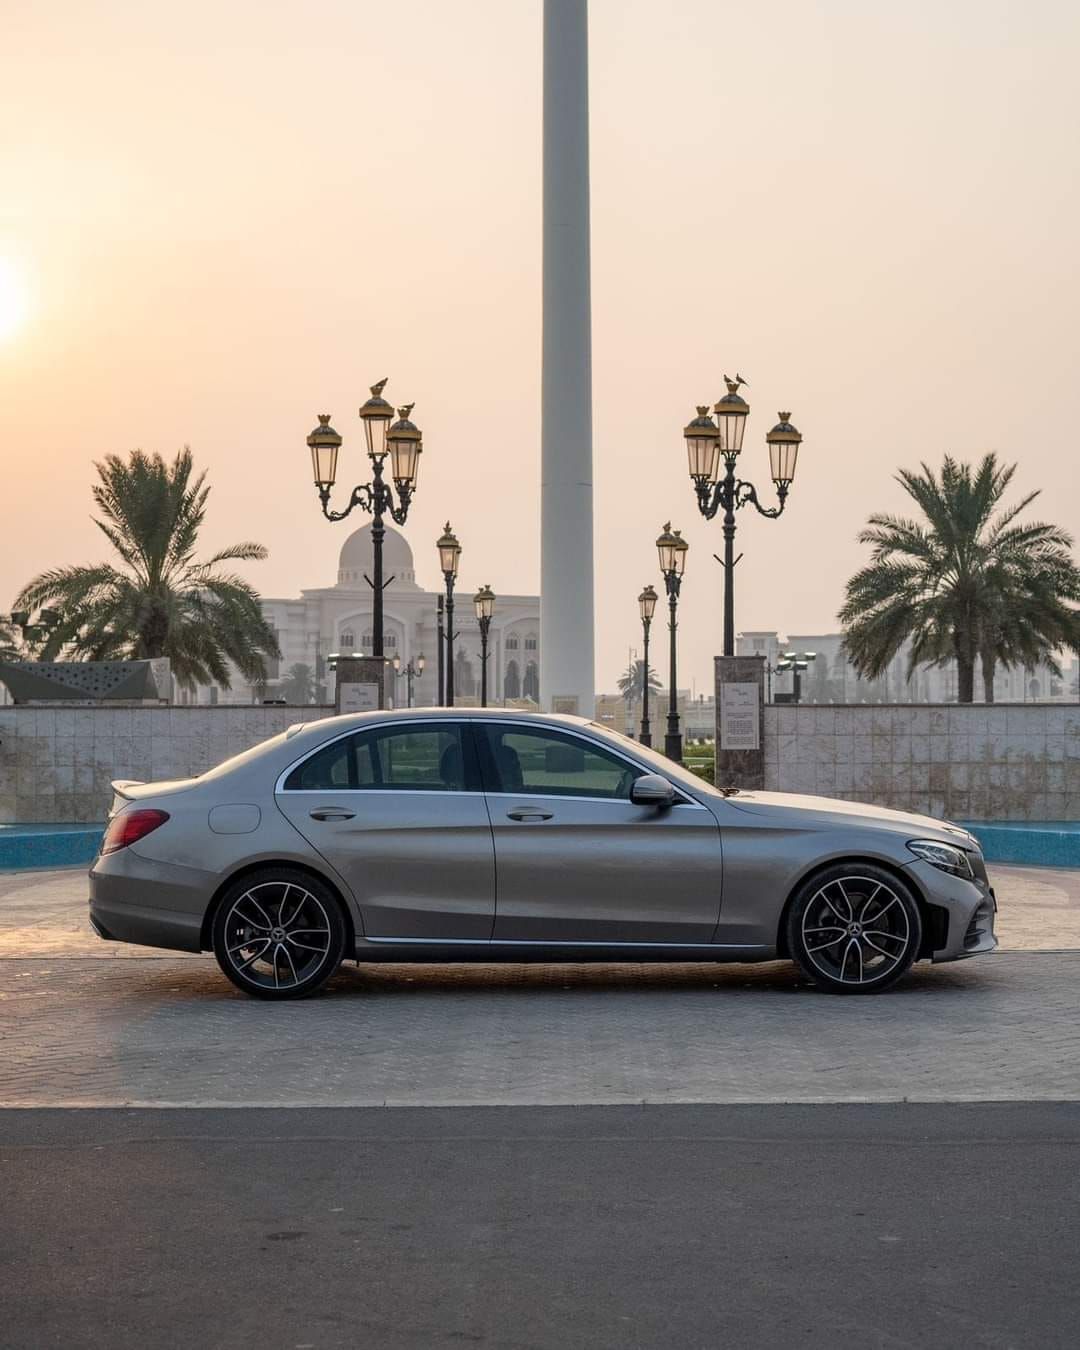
343,721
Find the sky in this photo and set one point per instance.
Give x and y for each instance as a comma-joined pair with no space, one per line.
220,220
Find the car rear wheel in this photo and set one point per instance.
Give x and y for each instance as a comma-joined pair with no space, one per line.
854,929
279,933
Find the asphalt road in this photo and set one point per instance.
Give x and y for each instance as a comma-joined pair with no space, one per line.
693,1226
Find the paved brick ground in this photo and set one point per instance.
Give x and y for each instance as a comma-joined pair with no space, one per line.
84,1022
83,1032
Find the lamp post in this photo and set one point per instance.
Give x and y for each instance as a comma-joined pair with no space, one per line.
647,607
440,647
403,443
672,549
796,662
709,442
449,556
409,673
484,605
771,671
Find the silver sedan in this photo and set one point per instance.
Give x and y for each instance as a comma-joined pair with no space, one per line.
480,835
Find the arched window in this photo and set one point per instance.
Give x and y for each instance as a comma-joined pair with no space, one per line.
530,643
348,641
512,681
532,682
512,645
367,642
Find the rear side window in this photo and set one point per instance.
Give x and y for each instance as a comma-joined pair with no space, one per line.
432,757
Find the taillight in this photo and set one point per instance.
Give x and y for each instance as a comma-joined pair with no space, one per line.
130,826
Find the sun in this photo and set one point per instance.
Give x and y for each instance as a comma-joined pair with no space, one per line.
13,299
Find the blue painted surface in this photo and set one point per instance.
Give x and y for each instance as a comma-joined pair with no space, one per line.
27,846
1043,843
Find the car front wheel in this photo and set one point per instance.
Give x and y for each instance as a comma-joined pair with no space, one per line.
854,929
279,933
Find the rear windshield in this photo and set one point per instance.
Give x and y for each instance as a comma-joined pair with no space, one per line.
246,756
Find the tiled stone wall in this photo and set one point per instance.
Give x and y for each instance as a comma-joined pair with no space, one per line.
56,764
977,762
1014,762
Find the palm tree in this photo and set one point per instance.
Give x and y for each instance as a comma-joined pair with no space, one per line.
630,680
964,582
299,685
161,601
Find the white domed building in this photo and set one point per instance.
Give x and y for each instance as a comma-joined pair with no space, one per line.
339,618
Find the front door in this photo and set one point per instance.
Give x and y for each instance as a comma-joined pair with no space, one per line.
577,861
398,812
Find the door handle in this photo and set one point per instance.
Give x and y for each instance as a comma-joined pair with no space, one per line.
529,813
332,813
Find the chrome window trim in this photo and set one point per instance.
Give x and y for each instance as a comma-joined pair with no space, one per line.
575,797
279,783
280,790
380,791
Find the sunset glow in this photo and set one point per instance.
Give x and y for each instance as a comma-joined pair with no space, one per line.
13,299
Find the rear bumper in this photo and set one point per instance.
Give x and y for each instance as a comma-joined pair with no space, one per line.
150,903
147,927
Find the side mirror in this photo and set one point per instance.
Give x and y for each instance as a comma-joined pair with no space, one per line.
651,789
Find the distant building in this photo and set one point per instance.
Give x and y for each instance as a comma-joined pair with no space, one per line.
830,678
338,618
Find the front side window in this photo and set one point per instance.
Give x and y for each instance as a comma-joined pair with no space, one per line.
536,761
417,758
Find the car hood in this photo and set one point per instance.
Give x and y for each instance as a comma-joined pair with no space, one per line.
808,812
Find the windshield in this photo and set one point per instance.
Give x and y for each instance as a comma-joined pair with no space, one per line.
660,762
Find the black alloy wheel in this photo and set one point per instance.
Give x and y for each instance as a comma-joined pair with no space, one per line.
279,933
854,929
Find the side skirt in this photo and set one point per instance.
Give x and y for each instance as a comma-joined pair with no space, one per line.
516,952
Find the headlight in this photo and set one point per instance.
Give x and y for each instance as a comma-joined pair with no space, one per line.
944,856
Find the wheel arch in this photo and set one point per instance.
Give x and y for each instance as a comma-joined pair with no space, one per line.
935,919
249,869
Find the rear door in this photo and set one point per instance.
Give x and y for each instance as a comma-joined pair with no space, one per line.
577,861
398,811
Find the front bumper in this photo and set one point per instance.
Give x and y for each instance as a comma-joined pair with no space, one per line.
154,904
970,908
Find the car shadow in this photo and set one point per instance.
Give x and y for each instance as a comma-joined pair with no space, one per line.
772,977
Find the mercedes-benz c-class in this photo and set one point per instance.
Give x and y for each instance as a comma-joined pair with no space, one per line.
478,834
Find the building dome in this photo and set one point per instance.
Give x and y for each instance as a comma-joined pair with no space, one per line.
356,558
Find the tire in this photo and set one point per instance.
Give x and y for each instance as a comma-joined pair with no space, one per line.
279,933
829,936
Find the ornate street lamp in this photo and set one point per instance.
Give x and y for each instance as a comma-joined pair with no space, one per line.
409,673
449,556
484,605
796,662
402,442
672,548
647,606
718,439
440,647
